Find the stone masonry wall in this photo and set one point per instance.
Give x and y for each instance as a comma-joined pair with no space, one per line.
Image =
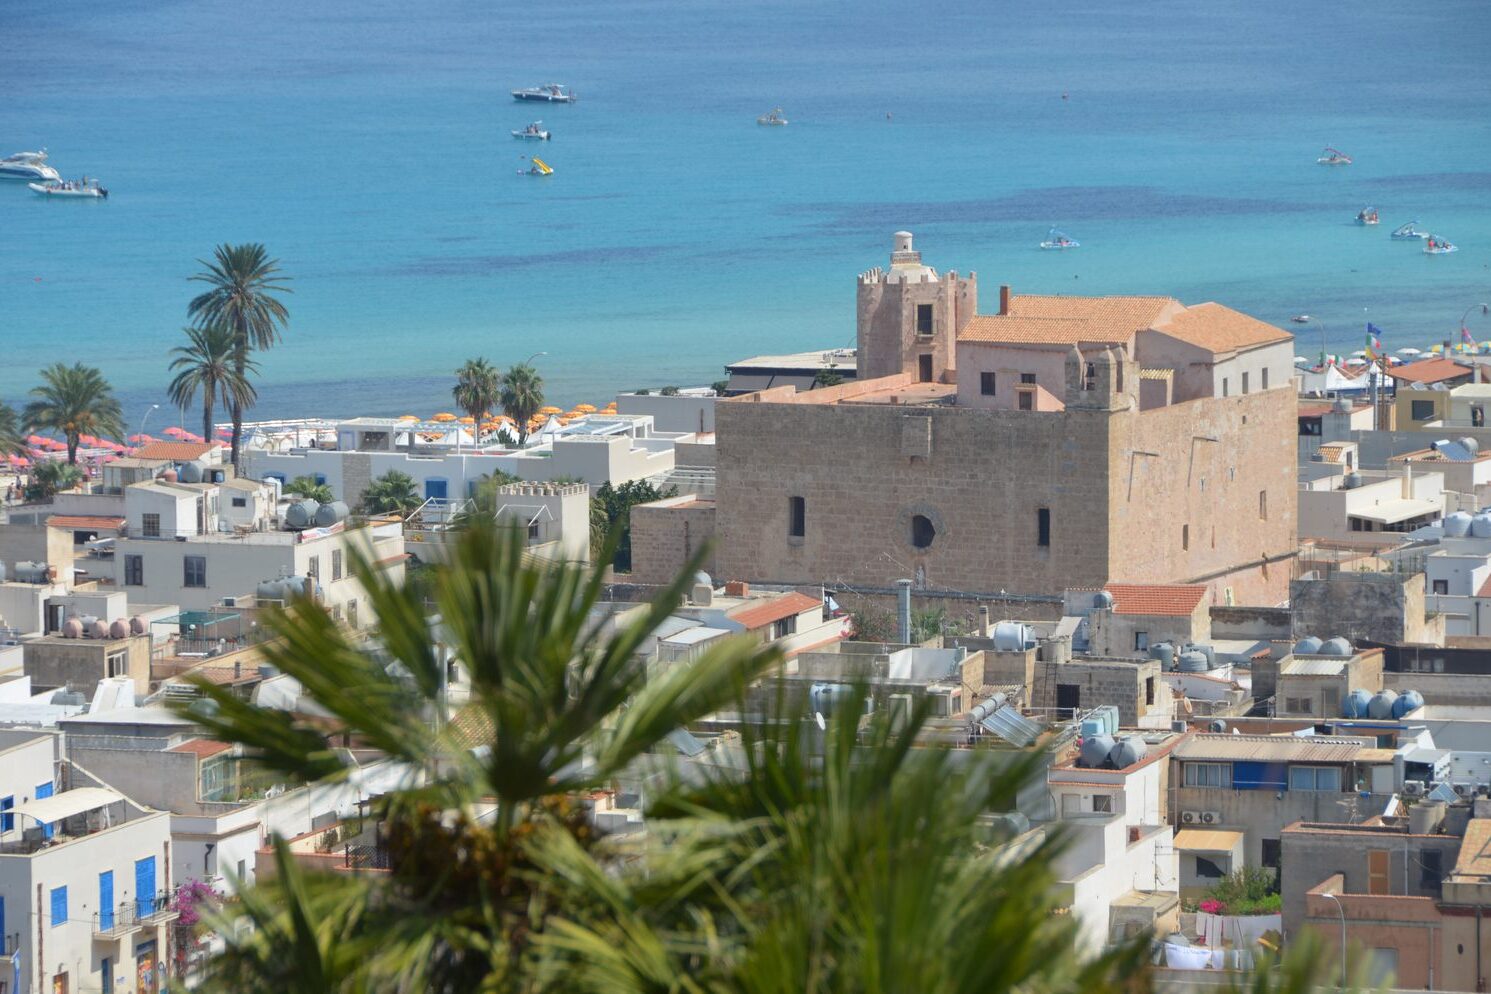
666,533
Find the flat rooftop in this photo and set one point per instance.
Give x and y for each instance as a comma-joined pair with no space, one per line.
914,394
842,361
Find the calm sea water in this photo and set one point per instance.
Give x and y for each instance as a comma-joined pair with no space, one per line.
367,145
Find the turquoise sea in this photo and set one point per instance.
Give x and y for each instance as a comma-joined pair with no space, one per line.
368,146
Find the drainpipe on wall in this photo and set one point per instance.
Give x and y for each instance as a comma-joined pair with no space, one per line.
903,611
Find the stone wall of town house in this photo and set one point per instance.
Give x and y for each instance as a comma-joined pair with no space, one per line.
665,534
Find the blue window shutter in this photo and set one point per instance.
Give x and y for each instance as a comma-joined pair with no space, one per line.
45,790
59,906
106,900
145,886
2,920
7,821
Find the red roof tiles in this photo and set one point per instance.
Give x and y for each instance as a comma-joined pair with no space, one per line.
202,747
1431,371
775,610
174,451
85,522
1155,598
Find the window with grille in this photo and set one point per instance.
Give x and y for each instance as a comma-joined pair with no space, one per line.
150,525
194,571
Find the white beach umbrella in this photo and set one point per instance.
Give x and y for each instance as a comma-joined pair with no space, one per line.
1300,360
1359,354
1410,350
1356,361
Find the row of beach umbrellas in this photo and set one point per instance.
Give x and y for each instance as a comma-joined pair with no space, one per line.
494,422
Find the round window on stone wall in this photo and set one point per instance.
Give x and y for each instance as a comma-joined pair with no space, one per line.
922,531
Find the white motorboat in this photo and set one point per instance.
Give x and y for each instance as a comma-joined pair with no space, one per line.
1434,245
1333,157
1367,215
1408,232
1057,240
27,166
549,93
83,188
772,120
533,133
1301,319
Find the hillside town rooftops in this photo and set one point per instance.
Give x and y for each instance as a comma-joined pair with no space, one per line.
1220,329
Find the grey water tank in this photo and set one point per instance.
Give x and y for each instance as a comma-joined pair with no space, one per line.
1217,725
824,698
1457,525
1164,652
1009,824
191,473
1102,600
270,590
1208,652
1095,750
29,572
301,514
1308,646
1408,701
1127,751
137,625
1011,636
1352,481
1193,662
1471,445
329,514
1336,647
1480,525
69,698
1355,704
1381,705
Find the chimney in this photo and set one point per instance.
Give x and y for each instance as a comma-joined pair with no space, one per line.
983,620
1004,299
1407,480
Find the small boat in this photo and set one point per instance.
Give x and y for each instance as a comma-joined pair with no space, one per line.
532,133
1333,157
773,119
1408,232
1367,215
1057,240
1301,319
85,188
28,166
1434,245
540,168
549,93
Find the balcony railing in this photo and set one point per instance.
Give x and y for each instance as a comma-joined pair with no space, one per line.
131,915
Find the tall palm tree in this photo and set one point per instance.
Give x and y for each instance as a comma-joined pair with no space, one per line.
50,477
478,389
789,860
242,297
208,365
522,396
12,442
392,493
74,400
306,486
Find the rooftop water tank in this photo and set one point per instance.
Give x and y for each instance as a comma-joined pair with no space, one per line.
1341,406
1480,525
825,697
1381,706
1336,647
1164,652
1457,525
1471,445
1011,636
72,628
29,572
68,698
329,514
270,590
137,625
301,514
1208,652
1109,715
1102,600
702,578
1193,662
1408,701
99,629
1009,824
1352,481
1217,725
1128,751
191,473
1092,726
169,476
1308,646
118,629
1095,750
1355,704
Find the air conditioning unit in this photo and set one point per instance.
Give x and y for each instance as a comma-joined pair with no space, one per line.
1190,817
1465,789
1211,817
1414,788
230,602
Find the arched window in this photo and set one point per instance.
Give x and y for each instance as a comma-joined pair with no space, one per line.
923,532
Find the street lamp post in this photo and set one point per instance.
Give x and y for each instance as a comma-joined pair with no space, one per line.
144,418
537,354
1340,908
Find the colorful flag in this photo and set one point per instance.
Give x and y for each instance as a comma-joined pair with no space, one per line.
1374,341
1465,336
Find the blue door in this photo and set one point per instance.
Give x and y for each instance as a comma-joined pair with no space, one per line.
45,790
106,901
145,886
435,489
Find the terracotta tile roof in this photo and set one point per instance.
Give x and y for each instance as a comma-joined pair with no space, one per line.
1430,371
1220,329
85,522
1156,374
1331,453
1155,598
1485,590
1054,320
1474,859
173,450
774,610
1313,410
202,747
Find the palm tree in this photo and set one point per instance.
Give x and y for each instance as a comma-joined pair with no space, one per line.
50,477
522,396
208,365
242,297
11,440
74,400
392,493
306,486
478,389
789,861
